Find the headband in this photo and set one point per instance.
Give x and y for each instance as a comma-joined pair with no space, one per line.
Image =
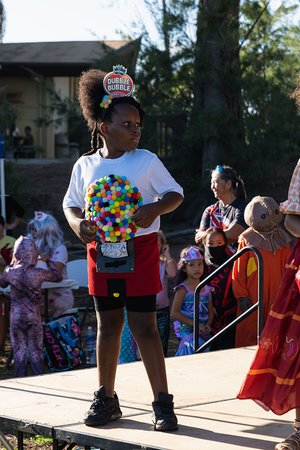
116,84
40,216
191,254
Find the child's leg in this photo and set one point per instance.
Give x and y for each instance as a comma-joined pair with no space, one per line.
35,348
18,339
110,325
105,405
144,329
4,320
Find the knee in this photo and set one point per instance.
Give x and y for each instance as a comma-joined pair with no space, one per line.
143,329
110,328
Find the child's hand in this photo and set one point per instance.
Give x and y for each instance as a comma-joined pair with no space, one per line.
44,258
166,251
207,329
145,215
202,329
199,236
87,231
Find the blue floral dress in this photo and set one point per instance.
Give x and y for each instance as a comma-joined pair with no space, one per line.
183,331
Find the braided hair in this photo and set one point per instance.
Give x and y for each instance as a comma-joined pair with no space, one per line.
227,173
90,95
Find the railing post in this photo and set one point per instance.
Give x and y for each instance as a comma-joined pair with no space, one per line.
259,305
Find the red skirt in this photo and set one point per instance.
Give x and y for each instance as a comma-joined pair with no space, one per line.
144,280
273,380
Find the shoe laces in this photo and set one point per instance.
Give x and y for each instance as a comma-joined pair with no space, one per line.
97,401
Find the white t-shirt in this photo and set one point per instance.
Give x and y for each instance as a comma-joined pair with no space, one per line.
141,167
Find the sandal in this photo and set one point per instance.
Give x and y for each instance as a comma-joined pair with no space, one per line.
290,443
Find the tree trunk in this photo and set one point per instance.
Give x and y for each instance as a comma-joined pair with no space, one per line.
217,97
2,21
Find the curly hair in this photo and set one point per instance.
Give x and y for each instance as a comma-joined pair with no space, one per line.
90,94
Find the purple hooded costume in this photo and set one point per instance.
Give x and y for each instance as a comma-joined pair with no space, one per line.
25,280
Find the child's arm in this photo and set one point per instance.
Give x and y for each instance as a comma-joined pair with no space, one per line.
203,226
52,274
81,227
146,214
171,266
232,232
176,314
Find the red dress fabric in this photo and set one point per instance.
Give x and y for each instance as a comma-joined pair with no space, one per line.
145,280
273,380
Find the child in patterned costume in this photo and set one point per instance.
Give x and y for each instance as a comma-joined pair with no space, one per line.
25,280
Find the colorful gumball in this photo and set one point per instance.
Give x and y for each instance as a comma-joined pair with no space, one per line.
110,204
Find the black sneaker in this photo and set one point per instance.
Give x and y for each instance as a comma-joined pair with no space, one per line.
103,409
163,415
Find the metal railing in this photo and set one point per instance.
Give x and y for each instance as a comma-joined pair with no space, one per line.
258,305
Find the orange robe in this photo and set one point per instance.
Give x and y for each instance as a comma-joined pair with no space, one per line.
245,284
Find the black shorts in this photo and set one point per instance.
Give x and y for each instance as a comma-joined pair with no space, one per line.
146,303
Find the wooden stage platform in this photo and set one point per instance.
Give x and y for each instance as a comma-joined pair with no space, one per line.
204,387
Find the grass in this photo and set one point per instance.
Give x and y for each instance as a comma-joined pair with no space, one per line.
40,440
33,443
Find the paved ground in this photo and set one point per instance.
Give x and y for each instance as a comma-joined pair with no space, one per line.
204,386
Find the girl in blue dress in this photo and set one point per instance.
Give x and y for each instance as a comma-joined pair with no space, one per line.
190,271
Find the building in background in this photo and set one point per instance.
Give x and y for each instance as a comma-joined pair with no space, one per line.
34,77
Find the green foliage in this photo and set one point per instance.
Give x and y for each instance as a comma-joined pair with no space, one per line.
270,61
266,137
164,78
40,440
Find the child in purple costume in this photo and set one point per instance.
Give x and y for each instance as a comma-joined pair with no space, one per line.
25,280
